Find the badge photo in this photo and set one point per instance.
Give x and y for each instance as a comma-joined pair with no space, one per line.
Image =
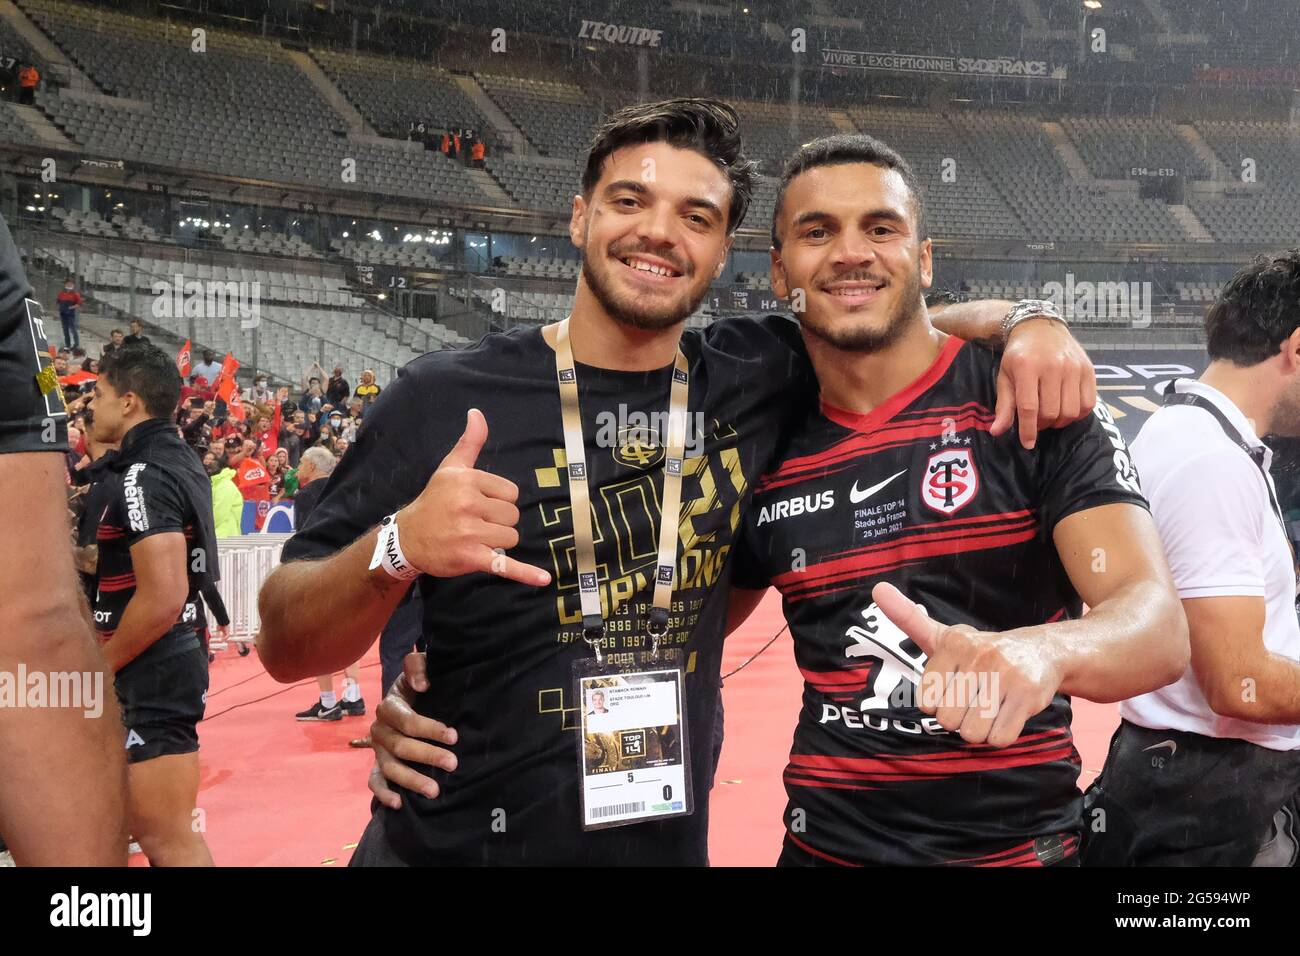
632,750
950,480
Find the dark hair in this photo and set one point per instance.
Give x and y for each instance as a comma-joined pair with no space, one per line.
149,372
1256,311
842,149
710,127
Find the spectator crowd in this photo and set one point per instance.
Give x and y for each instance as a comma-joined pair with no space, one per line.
252,441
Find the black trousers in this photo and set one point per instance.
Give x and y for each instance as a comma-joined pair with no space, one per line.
1171,798
399,636
373,849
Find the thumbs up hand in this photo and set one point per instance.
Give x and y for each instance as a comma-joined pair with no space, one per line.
983,685
465,517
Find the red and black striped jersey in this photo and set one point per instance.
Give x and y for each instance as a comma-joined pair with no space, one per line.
919,494
157,485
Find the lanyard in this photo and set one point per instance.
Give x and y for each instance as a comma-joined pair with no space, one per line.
593,619
1256,453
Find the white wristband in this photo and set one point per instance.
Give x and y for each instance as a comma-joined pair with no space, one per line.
388,553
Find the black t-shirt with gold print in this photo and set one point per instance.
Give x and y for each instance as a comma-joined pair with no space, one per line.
500,653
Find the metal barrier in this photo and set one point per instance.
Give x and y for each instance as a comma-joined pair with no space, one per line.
246,561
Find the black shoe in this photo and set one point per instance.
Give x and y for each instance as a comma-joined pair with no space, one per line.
319,711
354,708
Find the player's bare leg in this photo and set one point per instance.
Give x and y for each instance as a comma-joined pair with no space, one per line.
161,803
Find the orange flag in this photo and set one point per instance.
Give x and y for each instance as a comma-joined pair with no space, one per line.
228,387
183,360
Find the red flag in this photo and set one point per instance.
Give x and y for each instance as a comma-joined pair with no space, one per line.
228,386
183,360
229,366
228,392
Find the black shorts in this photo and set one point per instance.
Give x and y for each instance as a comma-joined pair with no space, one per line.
162,703
1054,851
1174,798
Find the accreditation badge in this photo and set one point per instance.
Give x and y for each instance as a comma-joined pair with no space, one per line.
633,755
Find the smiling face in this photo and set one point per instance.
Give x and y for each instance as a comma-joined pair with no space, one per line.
849,241
653,233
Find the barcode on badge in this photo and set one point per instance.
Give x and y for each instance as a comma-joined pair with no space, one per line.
617,809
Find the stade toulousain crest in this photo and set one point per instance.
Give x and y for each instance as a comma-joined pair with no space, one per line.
638,448
950,480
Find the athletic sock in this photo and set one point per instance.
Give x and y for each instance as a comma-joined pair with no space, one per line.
351,691
328,699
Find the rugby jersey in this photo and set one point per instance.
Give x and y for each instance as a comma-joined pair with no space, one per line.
919,494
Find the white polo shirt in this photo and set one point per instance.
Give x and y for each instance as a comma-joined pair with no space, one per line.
1223,539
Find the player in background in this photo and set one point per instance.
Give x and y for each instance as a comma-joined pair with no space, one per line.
157,555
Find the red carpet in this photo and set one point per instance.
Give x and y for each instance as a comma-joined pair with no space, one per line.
762,704
276,792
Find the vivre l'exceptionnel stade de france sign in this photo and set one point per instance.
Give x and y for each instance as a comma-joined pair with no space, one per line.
997,66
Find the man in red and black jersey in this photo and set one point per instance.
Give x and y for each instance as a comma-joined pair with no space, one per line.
894,491
157,554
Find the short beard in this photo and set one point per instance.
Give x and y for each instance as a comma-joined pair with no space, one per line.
628,315
1286,414
874,340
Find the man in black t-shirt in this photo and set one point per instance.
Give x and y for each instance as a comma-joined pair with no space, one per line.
137,336
338,389
157,552
893,501
62,771
465,451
